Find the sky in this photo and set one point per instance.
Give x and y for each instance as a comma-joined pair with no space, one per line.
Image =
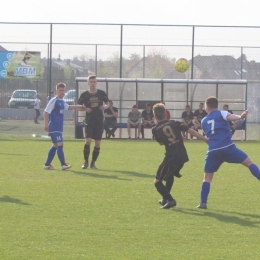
173,12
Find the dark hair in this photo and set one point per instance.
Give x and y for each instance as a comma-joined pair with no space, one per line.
147,104
212,102
201,103
187,106
159,111
134,106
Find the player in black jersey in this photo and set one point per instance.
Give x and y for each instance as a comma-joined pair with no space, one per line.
94,100
187,117
198,115
168,133
147,118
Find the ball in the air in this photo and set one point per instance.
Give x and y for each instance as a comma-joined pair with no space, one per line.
33,135
181,65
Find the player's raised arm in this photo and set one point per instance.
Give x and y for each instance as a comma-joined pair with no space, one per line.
234,117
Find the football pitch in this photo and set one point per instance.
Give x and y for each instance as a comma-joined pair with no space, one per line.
113,213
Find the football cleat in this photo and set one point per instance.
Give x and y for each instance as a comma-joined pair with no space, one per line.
65,166
93,166
48,167
84,165
162,202
202,206
169,204
178,175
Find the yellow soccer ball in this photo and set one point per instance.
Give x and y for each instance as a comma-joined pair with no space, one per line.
181,65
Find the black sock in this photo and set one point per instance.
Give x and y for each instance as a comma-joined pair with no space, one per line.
163,191
169,184
95,154
86,152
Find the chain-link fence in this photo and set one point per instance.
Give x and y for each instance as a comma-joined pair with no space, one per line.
133,51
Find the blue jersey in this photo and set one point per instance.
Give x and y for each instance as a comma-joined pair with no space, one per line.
55,108
217,129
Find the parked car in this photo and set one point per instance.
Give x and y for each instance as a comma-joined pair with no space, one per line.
22,98
70,97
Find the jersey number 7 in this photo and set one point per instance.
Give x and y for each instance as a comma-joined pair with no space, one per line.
212,122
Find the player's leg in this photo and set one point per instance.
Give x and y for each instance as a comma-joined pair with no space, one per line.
139,130
142,131
168,201
86,150
107,129
97,135
213,161
114,127
205,189
252,167
129,130
95,154
37,116
51,154
235,155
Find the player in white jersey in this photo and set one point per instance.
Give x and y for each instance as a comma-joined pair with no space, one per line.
220,146
53,124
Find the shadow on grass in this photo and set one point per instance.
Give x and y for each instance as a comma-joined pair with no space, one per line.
87,173
227,216
135,174
8,199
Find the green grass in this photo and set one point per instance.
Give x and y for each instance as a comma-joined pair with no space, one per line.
113,213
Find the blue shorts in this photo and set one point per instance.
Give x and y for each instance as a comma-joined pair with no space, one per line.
215,158
56,137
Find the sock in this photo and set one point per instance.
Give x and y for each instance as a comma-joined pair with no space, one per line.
51,155
163,191
86,152
61,155
95,154
255,171
169,184
205,188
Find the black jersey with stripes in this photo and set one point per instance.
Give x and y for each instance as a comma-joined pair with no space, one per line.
94,101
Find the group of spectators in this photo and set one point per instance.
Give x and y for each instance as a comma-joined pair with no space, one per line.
145,119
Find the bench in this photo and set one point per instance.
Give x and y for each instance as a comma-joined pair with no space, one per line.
79,133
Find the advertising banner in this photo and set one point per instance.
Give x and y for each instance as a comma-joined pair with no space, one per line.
14,64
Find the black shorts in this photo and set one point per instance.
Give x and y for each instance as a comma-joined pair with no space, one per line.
167,170
94,130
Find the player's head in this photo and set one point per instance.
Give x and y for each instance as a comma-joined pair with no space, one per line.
60,89
211,103
201,105
225,107
148,106
111,103
38,96
134,108
159,111
92,81
187,108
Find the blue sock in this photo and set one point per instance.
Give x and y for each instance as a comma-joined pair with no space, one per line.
51,155
61,155
255,171
205,188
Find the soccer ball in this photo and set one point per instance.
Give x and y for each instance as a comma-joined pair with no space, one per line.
181,65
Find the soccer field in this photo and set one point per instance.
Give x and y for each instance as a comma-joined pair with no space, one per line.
113,213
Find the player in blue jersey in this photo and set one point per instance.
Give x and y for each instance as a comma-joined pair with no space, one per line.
220,146
53,124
